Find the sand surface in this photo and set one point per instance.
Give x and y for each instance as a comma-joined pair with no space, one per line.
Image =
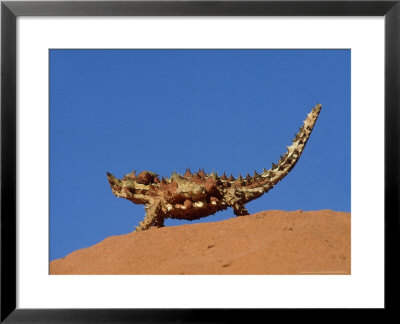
269,242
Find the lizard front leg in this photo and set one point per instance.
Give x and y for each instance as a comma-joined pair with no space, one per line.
154,217
240,210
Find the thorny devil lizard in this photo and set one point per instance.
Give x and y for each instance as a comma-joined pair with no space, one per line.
193,196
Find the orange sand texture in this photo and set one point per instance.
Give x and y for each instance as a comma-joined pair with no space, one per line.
268,242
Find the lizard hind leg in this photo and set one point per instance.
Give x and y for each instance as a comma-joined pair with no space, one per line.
240,210
154,217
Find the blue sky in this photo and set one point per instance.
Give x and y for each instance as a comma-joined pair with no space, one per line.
166,110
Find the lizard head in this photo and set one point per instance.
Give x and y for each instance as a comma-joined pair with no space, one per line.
134,188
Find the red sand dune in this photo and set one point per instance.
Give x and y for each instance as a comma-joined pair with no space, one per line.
268,242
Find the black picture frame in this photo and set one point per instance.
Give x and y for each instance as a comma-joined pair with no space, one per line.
10,10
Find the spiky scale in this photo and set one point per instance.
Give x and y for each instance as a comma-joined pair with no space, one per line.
188,173
196,176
